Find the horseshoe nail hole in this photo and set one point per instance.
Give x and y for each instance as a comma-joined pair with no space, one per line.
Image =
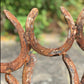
9,50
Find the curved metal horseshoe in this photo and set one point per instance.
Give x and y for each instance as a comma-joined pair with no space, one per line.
10,79
47,51
79,35
28,70
19,61
28,40
74,79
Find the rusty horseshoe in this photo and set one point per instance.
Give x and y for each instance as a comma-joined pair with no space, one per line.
28,41
19,61
47,51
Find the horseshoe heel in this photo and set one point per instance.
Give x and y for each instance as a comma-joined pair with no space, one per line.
79,35
74,79
28,70
18,62
10,79
47,51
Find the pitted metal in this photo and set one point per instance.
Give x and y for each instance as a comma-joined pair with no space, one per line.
28,41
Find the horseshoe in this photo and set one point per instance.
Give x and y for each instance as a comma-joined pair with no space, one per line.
10,79
28,40
28,69
74,79
47,51
79,35
19,61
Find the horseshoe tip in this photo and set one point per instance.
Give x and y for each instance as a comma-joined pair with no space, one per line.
35,9
5,11
62,8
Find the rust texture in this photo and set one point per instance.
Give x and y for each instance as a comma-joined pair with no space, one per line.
11,79
28,41
18,62
80,25
74,79
47,51
28,70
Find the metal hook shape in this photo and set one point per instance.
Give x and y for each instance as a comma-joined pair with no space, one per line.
74,79
28,70
19,61
10,79
79,34
47,51
29,41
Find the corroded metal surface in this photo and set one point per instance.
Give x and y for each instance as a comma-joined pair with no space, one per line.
80,25
18,62
47,51
74,79
28,41
11,79
28,70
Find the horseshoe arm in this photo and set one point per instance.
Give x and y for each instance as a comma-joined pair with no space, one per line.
28,70
10,79
40,49
15,22
18,62
68,17
74,79
79,35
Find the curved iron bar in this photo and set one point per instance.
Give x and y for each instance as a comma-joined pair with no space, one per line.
28,70
49,51
10,79
28,40
74,79
79,35
19,61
